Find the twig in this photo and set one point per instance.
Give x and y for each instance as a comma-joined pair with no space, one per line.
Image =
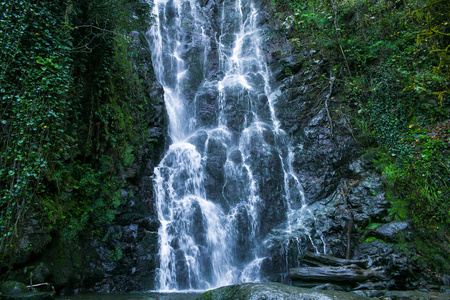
349,235
99,28
332,78
339,37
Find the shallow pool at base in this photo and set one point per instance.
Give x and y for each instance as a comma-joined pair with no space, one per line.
134,296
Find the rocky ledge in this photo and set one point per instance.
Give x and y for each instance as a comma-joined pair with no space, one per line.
325,272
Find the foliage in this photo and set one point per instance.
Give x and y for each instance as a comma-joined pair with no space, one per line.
73,112
392,67
435,36
373,239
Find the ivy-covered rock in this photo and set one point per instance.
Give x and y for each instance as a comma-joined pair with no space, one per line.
84,125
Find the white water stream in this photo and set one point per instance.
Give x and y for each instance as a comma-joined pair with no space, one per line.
226,180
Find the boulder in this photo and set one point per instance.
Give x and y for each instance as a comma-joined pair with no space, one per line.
273,291
390,231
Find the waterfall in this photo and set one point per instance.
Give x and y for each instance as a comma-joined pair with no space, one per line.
226,181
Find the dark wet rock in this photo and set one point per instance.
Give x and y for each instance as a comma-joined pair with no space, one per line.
243,241
35,236
40,273
236,156
353,208
390,231
401,269
199,140
445,289
237,108
149,224
329,287
216,156
377,285
414,295
321,161
321,156
445,280
370,293
207,105
182,270
272,291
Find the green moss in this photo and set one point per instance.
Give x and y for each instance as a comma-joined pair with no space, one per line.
373,225
206,296
63,259
116,254
373,239
433,251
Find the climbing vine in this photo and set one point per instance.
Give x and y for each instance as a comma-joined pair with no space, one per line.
35,79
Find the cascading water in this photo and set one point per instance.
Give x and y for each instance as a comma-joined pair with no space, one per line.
226,180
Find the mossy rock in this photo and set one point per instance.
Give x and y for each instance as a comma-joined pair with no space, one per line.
13,287
274,291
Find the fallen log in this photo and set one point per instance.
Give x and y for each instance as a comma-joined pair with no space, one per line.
352,273
327,260
31,286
